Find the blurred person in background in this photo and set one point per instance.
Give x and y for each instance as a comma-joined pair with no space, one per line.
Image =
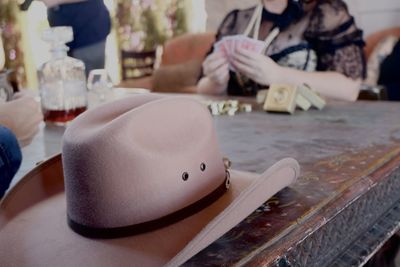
90,22
389,73
313,41
19,123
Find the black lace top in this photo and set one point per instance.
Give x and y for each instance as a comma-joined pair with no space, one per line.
320,36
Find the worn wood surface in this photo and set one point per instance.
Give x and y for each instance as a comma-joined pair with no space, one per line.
344,151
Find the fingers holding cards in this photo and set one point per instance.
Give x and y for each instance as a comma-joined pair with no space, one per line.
213,62
229,45
216,68
220,75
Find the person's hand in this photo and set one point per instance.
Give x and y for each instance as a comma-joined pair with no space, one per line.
22,116
215,67
259,68
52,3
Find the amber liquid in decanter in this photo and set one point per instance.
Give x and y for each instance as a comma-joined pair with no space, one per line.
61,117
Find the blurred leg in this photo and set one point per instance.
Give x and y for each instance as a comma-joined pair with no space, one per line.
10,158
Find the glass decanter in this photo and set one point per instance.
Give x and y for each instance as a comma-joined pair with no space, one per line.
62,80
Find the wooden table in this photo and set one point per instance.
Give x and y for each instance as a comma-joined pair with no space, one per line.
343,207
346,202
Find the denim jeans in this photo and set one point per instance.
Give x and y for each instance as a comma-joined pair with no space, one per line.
10,158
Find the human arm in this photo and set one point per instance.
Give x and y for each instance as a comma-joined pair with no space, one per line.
22,116
328,83
216,75
52,3
337,43
265,71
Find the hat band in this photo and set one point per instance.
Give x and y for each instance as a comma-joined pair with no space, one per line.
145,227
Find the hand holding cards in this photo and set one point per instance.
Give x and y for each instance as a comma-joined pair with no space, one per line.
229,44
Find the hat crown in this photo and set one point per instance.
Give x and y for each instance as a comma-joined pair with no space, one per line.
139,159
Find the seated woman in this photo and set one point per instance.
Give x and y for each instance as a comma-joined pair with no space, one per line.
311,41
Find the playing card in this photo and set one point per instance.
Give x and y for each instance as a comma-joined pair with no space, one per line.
250,44
230,41
237,41
221,48
229,44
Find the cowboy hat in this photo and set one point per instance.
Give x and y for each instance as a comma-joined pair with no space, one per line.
145,185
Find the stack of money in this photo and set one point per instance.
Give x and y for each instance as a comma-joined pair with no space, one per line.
286,98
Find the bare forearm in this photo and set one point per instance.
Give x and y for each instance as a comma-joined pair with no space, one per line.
329,84
52,3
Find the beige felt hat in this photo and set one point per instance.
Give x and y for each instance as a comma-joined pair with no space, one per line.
145,185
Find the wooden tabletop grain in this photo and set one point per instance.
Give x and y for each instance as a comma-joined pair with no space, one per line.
349,154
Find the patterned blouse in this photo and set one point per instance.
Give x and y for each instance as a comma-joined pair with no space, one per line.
319,36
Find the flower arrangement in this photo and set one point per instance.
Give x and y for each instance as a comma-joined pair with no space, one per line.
144,24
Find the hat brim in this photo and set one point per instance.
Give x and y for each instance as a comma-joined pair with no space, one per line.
34,229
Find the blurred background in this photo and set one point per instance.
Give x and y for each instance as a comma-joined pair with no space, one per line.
145,25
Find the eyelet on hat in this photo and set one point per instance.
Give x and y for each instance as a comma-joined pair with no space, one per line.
185,176
202,166
228,179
